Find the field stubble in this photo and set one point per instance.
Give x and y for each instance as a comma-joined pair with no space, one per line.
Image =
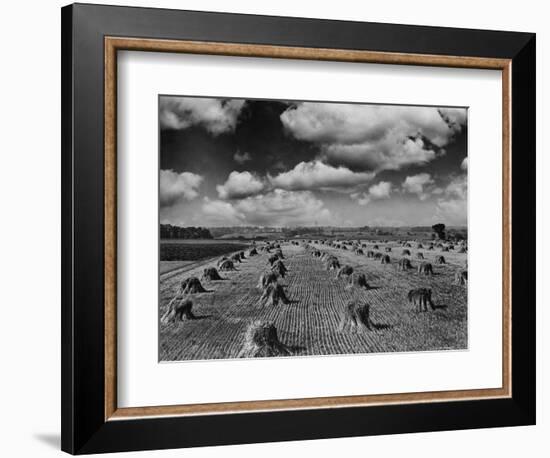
309,324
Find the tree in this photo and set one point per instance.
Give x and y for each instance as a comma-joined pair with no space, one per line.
167,231
439,229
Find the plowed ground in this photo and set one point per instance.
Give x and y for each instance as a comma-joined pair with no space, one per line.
309,324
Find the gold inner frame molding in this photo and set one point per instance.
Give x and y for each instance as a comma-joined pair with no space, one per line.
114,44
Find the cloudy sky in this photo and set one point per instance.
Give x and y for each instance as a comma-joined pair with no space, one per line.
233,162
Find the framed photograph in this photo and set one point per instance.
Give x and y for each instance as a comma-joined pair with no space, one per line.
284,228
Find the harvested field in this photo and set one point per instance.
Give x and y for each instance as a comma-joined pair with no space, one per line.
309,324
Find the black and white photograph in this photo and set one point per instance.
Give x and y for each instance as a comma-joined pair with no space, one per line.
300,228
266,229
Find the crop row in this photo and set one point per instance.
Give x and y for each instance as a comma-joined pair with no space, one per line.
309,324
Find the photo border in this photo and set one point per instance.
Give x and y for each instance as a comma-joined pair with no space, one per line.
260,99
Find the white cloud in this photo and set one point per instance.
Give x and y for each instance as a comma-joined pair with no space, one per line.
391,153
284,208
176,186
416,184
318,175
275,208
453,206
362,198
239,185
304,176
464,164
374,137
381,190
457,187
354,123
215,115
221,212
241,158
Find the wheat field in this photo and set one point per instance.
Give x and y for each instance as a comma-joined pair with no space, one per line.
309,324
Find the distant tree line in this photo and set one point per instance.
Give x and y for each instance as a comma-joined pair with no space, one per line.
292,232
167,231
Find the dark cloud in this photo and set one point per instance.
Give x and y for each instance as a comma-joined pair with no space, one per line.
241,158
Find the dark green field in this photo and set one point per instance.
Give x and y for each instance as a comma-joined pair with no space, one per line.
195,250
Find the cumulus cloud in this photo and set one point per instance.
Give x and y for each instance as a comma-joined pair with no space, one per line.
362,198
354,123
304,176
241,158
215,115
381,190
239,185
452,207
221,212
288,207
416,184
318,175
457,187
374,137
177,186
393,152
278,207
464,164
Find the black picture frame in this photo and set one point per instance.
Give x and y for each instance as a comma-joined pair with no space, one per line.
84,428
